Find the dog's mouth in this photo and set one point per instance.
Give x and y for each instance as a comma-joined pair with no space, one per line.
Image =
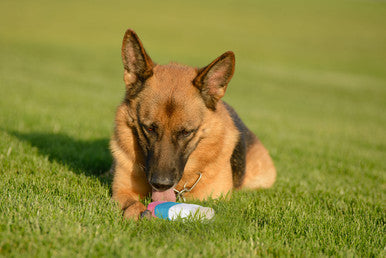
172,194
167,195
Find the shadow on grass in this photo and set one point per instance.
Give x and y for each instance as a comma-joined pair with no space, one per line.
91,158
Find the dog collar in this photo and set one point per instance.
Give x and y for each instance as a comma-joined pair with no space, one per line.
180,194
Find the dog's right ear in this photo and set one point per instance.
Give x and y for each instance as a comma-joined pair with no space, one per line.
138,65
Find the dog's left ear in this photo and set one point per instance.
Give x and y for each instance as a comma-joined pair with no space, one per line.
213,79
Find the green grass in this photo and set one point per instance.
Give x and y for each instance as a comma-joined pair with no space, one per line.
310,81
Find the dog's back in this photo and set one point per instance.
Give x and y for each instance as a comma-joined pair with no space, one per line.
252,166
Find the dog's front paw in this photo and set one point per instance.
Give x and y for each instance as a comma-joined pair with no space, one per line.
146,214
134,211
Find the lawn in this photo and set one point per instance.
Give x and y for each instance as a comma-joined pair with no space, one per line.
310,81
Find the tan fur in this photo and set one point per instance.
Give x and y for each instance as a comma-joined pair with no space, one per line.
170,99
211,158
260,170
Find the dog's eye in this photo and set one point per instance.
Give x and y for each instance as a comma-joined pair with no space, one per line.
185,133
150,129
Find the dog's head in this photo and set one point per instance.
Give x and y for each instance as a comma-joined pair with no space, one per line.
167,106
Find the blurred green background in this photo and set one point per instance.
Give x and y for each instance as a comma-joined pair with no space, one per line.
310,81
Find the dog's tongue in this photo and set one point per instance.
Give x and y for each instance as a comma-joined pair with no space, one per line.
167,196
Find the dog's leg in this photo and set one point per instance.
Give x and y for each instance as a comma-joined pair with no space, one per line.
133,209
127,191
260,170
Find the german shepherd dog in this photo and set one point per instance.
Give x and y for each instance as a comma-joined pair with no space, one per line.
173,131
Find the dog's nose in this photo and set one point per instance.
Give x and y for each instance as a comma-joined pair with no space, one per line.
161,184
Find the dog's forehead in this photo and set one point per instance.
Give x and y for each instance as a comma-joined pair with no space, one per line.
171,96
173,113
172,85
173,75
